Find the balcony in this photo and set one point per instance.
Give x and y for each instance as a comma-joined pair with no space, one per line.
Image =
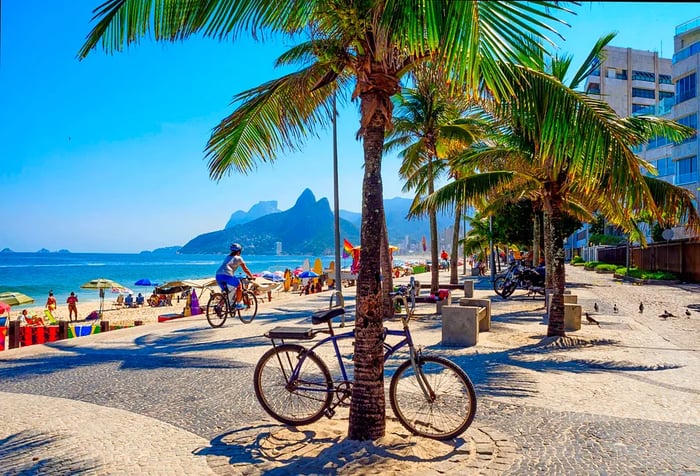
687,52
687,26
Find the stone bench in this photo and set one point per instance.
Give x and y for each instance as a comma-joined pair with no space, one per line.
572,317
484,325
461,325
467,286
438,304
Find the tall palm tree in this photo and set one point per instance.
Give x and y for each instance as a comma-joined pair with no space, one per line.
570,148
366,45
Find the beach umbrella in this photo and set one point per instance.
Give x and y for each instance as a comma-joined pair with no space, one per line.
15,298
308,274
145,282
4,308
101,284
172,287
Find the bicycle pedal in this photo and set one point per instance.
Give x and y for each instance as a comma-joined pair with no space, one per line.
329,412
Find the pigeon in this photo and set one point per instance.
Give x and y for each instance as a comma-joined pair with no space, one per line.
666,314
595,306
590,320
615,308
687,313
641,307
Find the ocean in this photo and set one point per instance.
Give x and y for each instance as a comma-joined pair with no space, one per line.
35,274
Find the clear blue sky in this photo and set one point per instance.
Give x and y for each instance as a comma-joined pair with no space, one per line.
106,154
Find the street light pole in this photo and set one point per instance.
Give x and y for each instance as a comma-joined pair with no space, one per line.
336,203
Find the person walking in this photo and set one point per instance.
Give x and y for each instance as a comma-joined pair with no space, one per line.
51,302
72,306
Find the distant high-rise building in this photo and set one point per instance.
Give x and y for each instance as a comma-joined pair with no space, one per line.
278,247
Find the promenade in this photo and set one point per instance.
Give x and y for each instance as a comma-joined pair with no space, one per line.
177,397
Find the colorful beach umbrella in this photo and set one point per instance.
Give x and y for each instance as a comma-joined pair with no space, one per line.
4,308
308,274
101,284
15,298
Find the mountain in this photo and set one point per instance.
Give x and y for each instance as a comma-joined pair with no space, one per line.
258,210
306,228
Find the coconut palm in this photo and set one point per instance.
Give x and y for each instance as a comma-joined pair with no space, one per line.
363,45
567,148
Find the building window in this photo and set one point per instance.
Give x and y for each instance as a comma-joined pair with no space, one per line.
641,109
665,95
664,166
686,170
665,79
689,121
622,74
643,93
643,76
593,89
657,141
685,88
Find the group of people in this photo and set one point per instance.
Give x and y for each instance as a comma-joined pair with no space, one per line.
72,302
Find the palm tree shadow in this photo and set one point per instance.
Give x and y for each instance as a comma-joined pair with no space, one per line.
26,452
276,449
499,374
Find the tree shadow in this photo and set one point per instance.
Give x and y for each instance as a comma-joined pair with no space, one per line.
26,452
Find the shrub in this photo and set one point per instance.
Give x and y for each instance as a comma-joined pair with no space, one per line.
592,264
642,274
606,267
576,260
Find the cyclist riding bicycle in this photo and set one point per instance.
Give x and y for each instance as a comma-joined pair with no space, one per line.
225,275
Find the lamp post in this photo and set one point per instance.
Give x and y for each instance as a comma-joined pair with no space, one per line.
336,203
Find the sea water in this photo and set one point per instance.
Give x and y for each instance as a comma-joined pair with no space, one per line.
35,274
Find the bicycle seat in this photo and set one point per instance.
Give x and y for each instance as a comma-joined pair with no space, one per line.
319,317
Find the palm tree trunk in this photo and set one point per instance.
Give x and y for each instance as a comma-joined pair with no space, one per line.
536,227
553,207
434,267
367,408
387,274
455,244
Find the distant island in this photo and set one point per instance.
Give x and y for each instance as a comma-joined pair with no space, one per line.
164,250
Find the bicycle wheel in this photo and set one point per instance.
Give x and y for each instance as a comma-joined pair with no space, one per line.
451,406
298,402
217,310
508,289
499,284
248,313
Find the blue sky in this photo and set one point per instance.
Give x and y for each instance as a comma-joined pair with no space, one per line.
106,155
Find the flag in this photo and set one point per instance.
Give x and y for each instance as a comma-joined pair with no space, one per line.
347,248
425,246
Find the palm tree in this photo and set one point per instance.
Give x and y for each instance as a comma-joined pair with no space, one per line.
569,150
366,45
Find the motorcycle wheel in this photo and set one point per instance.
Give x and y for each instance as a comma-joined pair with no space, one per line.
508,290
499,284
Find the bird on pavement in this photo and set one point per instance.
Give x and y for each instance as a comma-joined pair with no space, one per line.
595,306
687,313
641,307
666,314
615,308
590,320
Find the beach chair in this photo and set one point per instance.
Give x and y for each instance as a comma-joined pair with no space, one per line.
49,318
119,302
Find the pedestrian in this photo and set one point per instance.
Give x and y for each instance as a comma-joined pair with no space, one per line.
51,302
72,306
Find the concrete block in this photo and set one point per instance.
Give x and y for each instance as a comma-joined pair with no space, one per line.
459,326
468,288
572,317
570,299
484,324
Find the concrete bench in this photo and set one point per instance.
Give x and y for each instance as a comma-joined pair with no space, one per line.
461,325
572,317
484,324
467,286
438,304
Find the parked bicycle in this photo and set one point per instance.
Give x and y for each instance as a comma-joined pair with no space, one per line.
430,395
219,307
409,292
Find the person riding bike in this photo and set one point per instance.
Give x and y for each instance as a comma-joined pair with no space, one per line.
225,274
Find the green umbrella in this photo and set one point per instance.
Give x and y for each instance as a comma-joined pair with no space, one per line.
101,284
15,298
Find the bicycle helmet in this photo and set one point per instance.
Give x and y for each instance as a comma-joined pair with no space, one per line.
236,247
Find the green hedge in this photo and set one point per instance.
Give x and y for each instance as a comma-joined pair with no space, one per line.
641,274
592,264
576,260
606,267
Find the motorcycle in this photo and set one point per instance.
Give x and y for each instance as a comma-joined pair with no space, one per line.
520,276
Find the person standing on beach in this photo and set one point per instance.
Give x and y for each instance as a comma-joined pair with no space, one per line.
72,306
51,302
225,275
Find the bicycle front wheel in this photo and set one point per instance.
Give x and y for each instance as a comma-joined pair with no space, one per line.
217,310
292,385
445,411
250,309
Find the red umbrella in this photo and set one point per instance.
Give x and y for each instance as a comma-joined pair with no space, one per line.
4,308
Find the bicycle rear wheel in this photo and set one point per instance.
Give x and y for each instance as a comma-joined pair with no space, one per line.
450,407
217,310
248,313
293,402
